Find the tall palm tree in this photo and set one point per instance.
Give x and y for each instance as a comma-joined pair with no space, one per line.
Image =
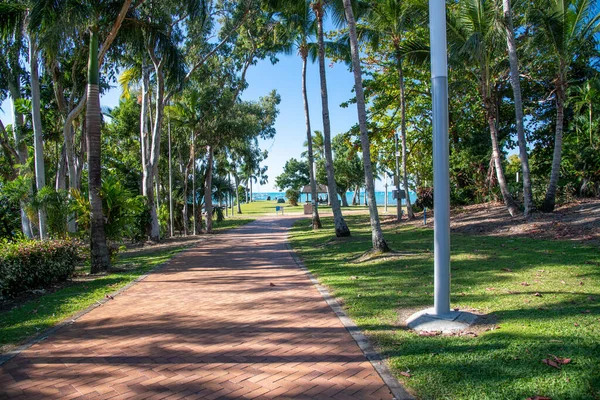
583,96
474,39
566,29
513,59
302,25
341,228
379,243
391,20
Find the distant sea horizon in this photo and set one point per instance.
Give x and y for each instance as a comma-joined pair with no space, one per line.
379,197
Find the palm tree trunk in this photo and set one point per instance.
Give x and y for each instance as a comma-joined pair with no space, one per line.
195,220
100,260
38,142
513,209
341,228
14,86
409,211
528,203
316,220
208,190
171,231
550,199
237,193
379,243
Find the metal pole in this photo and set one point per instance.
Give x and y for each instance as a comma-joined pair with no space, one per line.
385,174
441,176
397,179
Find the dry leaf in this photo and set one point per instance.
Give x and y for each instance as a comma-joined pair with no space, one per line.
538,294
432,333
524,284
551,363
539,398
108,296
271,284
576,324
406,374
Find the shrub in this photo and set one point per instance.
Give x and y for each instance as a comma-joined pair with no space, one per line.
292,195
219,212
425,197
30,264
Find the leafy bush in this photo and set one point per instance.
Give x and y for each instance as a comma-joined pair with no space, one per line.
292,196
219,212
424,197
31,264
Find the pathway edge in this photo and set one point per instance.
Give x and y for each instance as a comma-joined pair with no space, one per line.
4,358
398,391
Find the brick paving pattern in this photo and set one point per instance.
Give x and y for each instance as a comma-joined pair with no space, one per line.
208,325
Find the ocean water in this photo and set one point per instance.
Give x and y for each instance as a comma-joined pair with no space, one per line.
379,197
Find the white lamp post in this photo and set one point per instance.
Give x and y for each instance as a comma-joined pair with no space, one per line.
440,318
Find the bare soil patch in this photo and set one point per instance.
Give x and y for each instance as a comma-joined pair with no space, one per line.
578,221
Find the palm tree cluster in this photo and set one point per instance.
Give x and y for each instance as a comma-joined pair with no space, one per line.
522,76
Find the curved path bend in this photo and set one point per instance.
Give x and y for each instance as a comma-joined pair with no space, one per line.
233,318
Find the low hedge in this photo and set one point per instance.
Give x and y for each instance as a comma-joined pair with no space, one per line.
30,264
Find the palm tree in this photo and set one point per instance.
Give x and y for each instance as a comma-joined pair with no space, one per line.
528,204
474,40
302,25
379,243
341,228
391,20
565,29
583,97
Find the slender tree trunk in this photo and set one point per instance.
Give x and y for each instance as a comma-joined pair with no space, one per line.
550,199
344,199
379,243
14,86
171,231
208,190
61,171
528,203
38,142
409,211
186,176
100,260
195,220
356,196
237,193
316,220
341,228
512,207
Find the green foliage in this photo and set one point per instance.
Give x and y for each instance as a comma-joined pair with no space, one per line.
424,197
28,264
58,206
219,212
10,217
292,196
295,175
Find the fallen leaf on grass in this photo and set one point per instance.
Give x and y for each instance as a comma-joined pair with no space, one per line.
406,374
537,294
576,324
490,288
506,269
524,284
539,398
108,296
560,360
353,277
550,363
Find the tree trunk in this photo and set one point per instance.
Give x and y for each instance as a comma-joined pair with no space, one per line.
550,199
344,199
409,211
528,203
38,142
208,190
512,207
61,171
171,231
341,228
237,197
379,243
14,86
99,260
316,220
195,220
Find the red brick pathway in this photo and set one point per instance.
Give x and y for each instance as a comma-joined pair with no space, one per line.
208,325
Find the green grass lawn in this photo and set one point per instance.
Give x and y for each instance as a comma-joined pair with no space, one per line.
543,298
264,207
37,315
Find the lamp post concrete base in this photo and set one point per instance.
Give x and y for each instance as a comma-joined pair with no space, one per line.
453,321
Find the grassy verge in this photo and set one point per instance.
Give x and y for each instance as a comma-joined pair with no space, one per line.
542,298
230,223
264,207
35,316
